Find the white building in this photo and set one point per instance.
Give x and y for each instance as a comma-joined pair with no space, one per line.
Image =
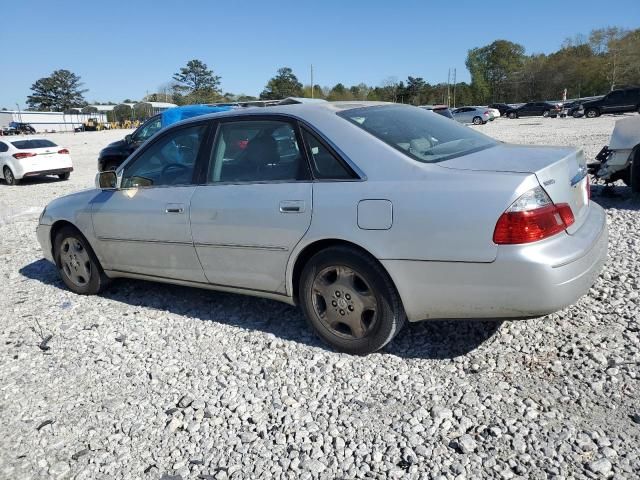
49,121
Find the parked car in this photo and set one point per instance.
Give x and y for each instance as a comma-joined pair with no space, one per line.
29,157
475,115
443,110
413,217
616,101
620,160
501,107
115,153
573,109
494,112
535,109
20,128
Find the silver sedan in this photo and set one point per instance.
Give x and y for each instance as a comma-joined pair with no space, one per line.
475,115
364,214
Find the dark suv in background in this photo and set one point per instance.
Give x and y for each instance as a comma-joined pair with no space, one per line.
616,101
115,153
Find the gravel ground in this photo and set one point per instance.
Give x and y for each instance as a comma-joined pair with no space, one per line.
161,382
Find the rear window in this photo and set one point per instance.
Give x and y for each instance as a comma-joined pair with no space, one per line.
419,134
27,144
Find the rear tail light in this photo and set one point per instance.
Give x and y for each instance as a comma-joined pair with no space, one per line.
487,113
532,217
64,151
588,187
20,155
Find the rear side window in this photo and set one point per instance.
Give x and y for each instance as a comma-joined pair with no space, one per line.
257,151
325,165
417,133
36,143
3,147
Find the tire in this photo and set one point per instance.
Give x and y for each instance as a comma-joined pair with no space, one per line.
634,174
77,264
9,178
512,115
545,114
363,313
64,176
592,113
477,121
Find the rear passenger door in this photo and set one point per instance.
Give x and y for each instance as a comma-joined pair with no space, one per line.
253,204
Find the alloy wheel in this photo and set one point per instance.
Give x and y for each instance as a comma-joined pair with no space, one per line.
344,302
75,261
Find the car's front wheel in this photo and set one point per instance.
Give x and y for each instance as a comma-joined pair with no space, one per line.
350,301
9,177
77,264
512,115
64,176
592,113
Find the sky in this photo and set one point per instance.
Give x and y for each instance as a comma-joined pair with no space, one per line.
125,49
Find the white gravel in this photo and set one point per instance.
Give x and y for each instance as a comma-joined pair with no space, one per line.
154,381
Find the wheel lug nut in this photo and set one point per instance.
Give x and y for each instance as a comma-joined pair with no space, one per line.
334,303
337,294
341,312
351,308
347,296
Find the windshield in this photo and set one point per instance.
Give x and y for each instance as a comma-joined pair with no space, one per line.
36,143
424,136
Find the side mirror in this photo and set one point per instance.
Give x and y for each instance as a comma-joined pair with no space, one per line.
107,180
128,138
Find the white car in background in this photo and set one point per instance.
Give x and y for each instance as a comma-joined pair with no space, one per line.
492,111
30,157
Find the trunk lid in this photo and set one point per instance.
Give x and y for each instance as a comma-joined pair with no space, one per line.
561,171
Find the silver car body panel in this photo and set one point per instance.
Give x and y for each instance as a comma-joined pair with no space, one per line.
437,246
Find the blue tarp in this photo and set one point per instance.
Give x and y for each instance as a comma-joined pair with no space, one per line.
177,114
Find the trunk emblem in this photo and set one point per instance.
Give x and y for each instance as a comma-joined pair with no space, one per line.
548,182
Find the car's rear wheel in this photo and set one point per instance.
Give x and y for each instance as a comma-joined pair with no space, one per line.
511,115
9,177
77,264
592,113
477,121
64,176
350,301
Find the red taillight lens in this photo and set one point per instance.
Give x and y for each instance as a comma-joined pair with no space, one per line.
588,187
487,113
64,151
20,155
531,218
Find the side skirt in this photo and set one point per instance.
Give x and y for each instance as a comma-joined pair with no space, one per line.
207,286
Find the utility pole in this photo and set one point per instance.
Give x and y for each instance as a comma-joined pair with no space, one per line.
449,88
312,80
454,88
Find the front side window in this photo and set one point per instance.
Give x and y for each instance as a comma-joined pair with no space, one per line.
325,164
420,135
148,130
3,147
170,160
256,151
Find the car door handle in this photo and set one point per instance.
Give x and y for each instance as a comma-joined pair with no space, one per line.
174,208
291,206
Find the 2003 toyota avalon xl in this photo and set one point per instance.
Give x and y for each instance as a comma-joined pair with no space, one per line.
364,214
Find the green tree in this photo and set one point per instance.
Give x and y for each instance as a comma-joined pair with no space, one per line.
284,84
492,66
195,83
58,92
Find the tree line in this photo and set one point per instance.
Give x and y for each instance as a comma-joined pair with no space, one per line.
585,65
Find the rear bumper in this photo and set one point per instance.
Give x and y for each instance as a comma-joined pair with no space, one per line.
53,171
524,280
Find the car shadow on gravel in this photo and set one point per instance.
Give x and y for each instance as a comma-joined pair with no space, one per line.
434,339
618,197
